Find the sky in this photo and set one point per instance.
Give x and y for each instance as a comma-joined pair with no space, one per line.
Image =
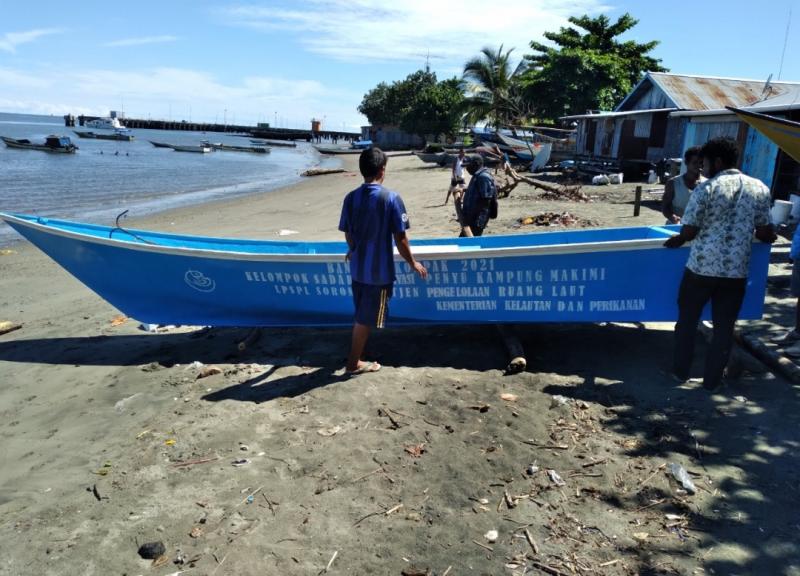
286,62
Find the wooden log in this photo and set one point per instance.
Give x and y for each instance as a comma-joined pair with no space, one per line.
251,338
637,203
8,326
322,171
786,367
516,352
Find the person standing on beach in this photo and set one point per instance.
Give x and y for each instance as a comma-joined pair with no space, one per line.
371,217
457,177
720,218
677,190
478,199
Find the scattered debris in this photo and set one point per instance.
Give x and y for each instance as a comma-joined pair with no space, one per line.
152,550
416,450
119,407
196,532
241,462
682,476
641,536
555,478
559,400
7,326
555,219
491,536
509,397
119,320
532,469
207,371
332,431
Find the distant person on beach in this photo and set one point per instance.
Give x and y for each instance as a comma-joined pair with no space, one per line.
456,177
371,216
719,218
677,190
478,199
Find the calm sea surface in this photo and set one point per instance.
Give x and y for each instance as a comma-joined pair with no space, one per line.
105,177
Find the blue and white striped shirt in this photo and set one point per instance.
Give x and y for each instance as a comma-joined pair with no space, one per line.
371,214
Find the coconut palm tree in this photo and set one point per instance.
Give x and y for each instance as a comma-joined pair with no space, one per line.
493,91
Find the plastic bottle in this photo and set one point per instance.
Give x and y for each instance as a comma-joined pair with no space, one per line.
681,475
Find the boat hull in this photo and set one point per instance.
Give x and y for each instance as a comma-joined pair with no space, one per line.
621,274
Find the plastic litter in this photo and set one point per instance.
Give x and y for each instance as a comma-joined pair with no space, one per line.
601,180
559,400
555,478
532,469
682,476
491,535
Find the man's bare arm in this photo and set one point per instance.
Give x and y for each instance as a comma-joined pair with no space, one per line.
401,240
666,200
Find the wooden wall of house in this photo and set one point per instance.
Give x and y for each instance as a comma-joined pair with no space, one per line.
652,99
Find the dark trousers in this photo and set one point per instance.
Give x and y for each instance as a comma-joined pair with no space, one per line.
726,295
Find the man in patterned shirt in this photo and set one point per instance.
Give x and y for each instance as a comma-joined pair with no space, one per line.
720,218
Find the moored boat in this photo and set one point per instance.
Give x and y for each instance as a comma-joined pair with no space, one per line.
201,149
594,275
106,124
55,144
229,148
279,143
160,144
116,135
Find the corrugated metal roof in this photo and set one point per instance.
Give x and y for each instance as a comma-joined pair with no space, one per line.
599,115
707,93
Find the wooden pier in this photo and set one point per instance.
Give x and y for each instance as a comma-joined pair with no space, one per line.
236,129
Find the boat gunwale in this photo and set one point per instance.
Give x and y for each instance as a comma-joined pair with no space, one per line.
314,257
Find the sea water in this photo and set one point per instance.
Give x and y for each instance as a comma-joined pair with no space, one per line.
105,177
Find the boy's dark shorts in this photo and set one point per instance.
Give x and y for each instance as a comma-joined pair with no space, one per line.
372,303
456,181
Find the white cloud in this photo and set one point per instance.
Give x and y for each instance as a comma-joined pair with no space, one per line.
177,94
449,32
10,40
141,41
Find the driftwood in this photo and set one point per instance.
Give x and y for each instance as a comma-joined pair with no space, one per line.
322,171
8,326
555,191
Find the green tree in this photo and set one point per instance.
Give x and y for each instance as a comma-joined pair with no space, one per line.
435,110
588,68
494,91
419,104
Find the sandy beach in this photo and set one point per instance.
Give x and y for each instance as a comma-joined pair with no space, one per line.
266,461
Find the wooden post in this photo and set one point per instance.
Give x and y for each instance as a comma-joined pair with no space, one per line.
637,204
514,347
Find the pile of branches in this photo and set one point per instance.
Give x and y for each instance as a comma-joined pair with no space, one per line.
555,219
551,191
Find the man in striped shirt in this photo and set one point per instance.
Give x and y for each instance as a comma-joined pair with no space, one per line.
371,217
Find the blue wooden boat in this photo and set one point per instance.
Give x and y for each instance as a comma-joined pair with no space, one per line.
614,274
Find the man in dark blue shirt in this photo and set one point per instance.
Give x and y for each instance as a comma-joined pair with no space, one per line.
371,216
478,198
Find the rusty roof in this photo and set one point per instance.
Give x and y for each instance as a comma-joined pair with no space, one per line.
708,93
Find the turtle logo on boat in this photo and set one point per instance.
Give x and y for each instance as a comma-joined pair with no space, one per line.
199,281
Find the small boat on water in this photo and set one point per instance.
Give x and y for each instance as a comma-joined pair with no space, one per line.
229,148
106,124
160,144
55,144
116,135
277,143
592,275
356,147
201,149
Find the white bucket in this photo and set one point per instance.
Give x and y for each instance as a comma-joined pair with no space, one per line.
780,211
795,199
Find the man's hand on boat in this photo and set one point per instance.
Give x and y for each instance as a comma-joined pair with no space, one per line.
686,234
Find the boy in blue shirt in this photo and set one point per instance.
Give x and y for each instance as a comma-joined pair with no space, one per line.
371,217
